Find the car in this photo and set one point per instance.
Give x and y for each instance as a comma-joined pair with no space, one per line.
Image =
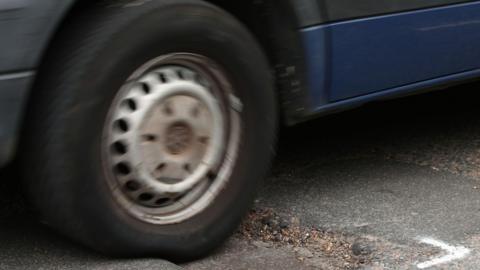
143,128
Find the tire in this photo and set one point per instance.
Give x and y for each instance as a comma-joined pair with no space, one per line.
67,176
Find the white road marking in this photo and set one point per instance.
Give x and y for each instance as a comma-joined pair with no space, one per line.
454,253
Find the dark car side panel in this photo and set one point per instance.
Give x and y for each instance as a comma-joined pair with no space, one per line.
13,90
313,12
26,27
25,30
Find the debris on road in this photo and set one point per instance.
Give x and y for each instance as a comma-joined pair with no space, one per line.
309,244
326,249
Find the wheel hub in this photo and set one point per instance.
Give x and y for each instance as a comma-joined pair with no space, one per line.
175,132
178,138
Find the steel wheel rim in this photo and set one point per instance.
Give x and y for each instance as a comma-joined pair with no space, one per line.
171,138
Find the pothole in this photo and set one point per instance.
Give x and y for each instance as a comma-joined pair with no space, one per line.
315,247
328,249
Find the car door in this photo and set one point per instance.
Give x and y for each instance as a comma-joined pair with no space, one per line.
369,46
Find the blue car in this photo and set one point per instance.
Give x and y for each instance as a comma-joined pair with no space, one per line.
143,127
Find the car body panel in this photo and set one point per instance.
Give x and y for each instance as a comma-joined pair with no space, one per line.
358,57
26,27
314,12
14,89
396,92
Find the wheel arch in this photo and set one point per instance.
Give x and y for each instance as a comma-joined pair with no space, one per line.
274,23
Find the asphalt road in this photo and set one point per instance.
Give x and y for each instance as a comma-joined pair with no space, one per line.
27,245
394,185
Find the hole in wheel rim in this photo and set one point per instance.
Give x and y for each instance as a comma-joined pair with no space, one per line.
119,148
131,104
132,185
162,78
122,125
123,168
145,88
180,74
145,197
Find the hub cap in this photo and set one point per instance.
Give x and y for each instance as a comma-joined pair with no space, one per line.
171,138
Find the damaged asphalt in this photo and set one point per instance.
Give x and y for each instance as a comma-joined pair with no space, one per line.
357,190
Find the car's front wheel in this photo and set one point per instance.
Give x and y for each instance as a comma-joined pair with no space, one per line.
151,125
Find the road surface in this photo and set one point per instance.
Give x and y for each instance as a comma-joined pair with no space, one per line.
364,189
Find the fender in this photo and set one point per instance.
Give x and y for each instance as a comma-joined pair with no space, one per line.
26,29
284,43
